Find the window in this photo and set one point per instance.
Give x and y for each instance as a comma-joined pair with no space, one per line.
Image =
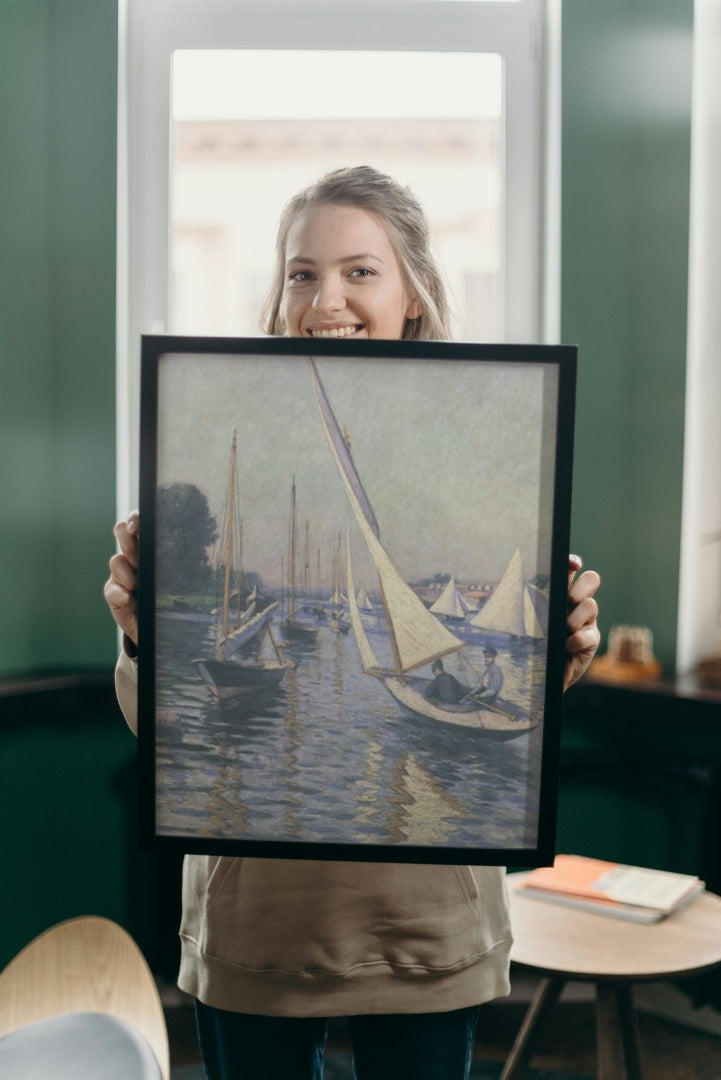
227,107
236,160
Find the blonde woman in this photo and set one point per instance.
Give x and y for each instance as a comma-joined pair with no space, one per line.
271,948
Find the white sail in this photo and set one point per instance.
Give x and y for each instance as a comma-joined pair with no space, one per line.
363,600
417,637
247,631
505,610
450,602
536,611
368,657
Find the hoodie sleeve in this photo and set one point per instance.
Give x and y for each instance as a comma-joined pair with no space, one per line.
126,688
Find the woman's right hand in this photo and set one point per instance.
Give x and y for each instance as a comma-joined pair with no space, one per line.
121,587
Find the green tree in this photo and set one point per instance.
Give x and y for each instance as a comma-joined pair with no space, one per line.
186,529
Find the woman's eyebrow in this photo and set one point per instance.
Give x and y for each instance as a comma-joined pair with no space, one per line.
361,257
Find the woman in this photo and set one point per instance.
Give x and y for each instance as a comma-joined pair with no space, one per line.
271,948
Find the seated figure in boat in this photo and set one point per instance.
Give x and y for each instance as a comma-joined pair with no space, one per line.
444,687
491,682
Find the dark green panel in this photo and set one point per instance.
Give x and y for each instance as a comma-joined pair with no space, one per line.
26,482
626,147
641,777
64,787
58,75
82,268
68,800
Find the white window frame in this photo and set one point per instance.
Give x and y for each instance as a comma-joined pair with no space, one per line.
699,597
526,34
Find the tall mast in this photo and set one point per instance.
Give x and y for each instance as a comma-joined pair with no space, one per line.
292,554
306,562
230,517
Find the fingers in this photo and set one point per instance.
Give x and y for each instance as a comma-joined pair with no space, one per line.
583,636
123,573
584,641
126,534
583,587
120,588
123,607
575,562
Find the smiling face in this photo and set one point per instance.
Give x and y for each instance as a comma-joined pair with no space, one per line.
342,277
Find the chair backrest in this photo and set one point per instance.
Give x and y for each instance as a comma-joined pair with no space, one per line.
87,964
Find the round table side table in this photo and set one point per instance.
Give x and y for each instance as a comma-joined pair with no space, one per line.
564,944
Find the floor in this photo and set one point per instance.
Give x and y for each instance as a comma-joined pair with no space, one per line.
669,1050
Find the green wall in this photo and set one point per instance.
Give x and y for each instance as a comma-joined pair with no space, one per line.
625,200
58,73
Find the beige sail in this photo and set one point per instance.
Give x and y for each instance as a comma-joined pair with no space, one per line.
368,657
449,602
530,617
417,637
363,600
505,612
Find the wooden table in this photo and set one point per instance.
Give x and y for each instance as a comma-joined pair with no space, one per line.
563,944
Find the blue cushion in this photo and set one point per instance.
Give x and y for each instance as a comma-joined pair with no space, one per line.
78,1046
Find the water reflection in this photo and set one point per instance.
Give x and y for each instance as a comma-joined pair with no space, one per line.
330,758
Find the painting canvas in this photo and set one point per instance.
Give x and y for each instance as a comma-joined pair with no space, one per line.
353,567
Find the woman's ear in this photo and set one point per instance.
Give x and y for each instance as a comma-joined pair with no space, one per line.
415,309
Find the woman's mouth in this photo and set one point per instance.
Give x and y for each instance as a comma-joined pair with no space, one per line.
335,331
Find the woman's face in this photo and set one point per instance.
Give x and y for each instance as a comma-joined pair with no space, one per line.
342,277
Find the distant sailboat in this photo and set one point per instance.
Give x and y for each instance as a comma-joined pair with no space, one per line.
364,601
509,609
231,674
338,621
416,636
451,603
300,624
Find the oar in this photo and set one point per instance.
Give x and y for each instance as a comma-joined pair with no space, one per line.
495,708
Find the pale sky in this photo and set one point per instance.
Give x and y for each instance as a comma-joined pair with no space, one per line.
449,453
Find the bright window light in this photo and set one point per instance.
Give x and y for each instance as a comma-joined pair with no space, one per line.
239,154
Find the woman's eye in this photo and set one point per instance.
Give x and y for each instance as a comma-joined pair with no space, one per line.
300,276
362,272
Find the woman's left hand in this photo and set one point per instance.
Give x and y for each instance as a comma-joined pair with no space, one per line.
582,634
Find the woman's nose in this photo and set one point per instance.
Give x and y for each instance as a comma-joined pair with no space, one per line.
329,296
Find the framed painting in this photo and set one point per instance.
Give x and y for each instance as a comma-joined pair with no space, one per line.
352,597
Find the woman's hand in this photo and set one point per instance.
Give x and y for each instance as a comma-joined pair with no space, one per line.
121,587
582,634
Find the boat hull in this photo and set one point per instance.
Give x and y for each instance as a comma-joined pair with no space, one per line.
300,628
232,680
502,722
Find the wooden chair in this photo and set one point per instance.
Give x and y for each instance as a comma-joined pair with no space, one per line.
89,972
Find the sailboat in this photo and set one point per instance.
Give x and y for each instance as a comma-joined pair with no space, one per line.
300,624
364,601
510,609
338,621
232,674
416,636
451,603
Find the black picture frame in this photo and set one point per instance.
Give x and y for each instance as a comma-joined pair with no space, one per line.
436,475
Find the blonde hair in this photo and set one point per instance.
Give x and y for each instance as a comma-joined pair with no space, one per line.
403,217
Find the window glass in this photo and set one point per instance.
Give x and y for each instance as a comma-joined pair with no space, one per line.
238,155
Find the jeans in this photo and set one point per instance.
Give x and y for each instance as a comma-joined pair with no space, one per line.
417,1046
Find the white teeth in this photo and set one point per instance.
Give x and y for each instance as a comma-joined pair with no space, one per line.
335,332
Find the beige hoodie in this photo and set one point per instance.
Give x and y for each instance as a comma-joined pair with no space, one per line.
283,937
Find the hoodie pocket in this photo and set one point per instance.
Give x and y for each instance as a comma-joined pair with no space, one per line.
295,916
